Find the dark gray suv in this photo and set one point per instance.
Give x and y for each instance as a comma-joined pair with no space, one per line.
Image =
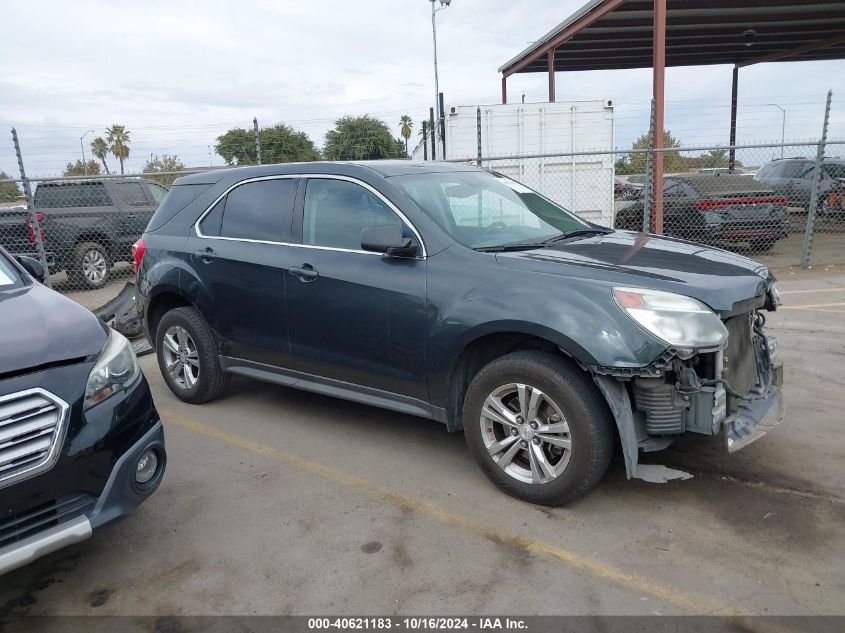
457,294
793,178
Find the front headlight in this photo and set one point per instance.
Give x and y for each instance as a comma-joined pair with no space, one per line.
680,321
116,368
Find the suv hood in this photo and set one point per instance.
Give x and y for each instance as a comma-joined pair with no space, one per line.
718,278
40,326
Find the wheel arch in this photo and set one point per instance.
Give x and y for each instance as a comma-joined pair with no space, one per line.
159,305
486,346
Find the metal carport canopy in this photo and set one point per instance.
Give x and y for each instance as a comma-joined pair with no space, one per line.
617,34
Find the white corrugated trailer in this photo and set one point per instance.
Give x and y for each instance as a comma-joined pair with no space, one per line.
550,132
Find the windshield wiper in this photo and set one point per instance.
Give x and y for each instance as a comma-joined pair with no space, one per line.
577,233
513,246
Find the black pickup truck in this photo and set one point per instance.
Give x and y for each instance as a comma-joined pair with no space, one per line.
86,225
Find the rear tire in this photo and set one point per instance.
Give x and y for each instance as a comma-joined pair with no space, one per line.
90,266
187,356
568,412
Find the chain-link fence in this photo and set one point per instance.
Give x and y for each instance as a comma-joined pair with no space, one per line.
761,208
783,204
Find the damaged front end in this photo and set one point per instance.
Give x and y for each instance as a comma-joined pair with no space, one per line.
733,390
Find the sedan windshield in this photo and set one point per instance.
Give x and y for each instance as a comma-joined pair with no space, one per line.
481,209
8,275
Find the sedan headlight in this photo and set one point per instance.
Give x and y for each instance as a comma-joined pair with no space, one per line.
116,369
679,321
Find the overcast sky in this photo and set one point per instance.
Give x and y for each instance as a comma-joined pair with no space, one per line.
178,74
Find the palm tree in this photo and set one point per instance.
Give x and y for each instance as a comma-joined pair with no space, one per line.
118,139
716,158
405,125
100,149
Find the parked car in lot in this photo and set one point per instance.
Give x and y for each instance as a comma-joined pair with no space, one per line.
718,209
86,225
81,443
793,178
454,293
626,190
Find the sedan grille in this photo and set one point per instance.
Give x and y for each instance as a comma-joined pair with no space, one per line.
740,365
20,525
32,428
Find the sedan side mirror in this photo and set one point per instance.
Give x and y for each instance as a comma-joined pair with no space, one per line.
32,266
387,239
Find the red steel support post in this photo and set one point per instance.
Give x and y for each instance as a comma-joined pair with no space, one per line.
551,62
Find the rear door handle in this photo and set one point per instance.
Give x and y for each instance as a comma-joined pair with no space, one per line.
304,273
207,255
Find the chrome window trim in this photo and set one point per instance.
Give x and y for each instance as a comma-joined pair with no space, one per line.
58,437
351,179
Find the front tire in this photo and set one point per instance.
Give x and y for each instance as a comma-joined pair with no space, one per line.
538,427
187,356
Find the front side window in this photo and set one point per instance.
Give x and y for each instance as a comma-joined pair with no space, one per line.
481,209
259,210
336,211
131,194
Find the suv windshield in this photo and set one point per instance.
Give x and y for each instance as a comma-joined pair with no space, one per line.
484,209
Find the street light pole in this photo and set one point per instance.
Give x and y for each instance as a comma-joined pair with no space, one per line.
782,126
443,5
82,147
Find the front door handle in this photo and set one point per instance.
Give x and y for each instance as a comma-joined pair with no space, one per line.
304,273
207,254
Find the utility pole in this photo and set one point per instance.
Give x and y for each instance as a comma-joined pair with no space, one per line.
443,5
257,139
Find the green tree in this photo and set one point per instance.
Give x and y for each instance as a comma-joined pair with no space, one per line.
90,168
117,136
279,144
100,149
9,191
165,163
672,161
361,138
405,126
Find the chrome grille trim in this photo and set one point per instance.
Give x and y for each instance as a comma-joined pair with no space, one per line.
33,424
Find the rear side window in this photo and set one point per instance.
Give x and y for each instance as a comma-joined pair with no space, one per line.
179,197
87,194
211,223
157,192
131,194
259,210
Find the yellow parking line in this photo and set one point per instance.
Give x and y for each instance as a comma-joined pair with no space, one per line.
803,292
693,603
814,306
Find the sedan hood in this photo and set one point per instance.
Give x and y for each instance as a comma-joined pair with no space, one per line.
724,281
40,326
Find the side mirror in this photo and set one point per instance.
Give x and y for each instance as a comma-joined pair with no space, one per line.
32,266
387,239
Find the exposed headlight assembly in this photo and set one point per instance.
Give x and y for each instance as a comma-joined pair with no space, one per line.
680,321
116,369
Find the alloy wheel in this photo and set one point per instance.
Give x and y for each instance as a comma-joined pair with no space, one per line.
525,433
94,266
181,359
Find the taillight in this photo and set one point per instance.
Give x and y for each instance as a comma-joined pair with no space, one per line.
138,250
706,205
40,218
